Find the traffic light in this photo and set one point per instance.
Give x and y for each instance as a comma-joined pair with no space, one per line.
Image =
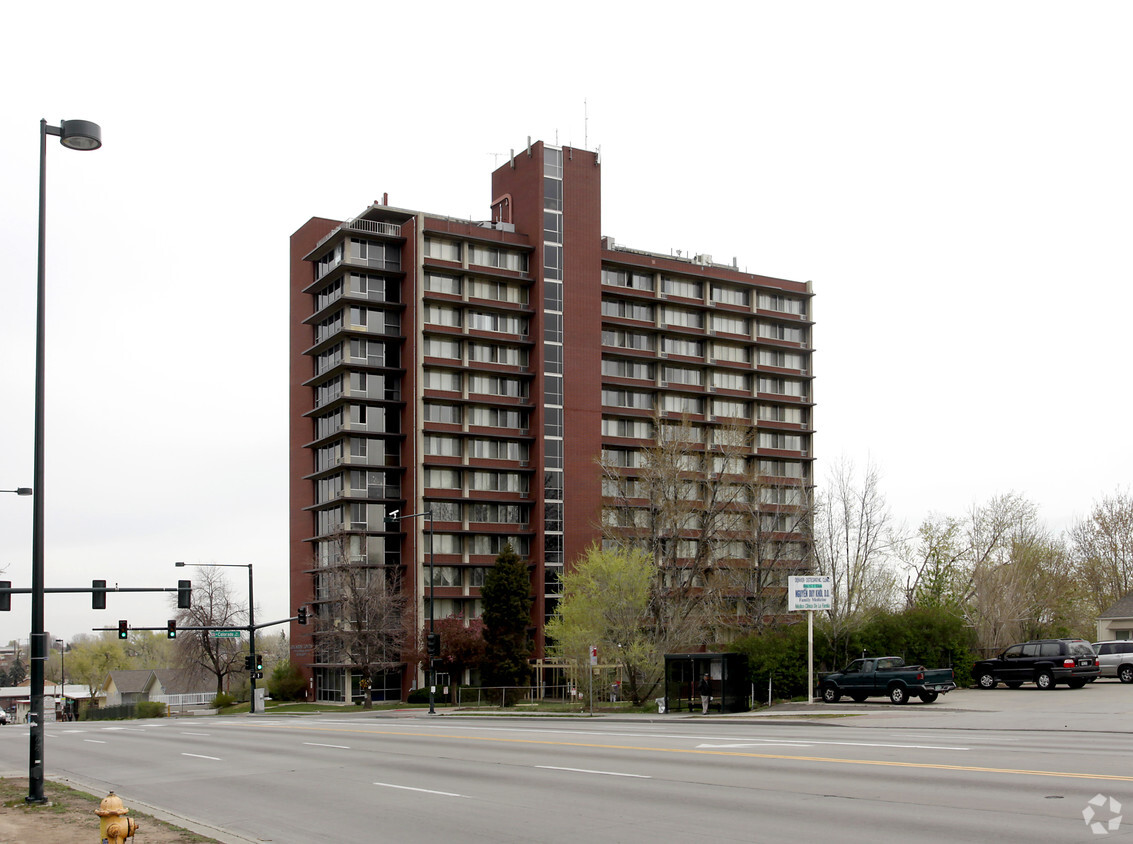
123,629
433,641
259,660
248,662
302,615
184,594
171,629
98,594
5,596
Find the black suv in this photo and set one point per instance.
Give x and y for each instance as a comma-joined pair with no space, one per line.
1044,662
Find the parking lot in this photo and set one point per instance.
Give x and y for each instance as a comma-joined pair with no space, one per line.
1103,706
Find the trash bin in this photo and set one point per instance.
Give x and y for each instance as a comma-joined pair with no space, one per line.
661,706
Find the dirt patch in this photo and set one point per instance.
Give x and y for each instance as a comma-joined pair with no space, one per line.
70,817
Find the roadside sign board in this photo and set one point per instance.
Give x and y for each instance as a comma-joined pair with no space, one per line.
226,634
809,593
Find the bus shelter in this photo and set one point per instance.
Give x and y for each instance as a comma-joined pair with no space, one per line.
727,675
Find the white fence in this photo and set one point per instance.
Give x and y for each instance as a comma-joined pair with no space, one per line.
178,702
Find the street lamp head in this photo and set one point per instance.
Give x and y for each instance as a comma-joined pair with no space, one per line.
22,490
179,565
80,134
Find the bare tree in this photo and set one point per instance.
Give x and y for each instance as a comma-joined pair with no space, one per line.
722,526
852,543
213,606
1103,549
363,622
1020,580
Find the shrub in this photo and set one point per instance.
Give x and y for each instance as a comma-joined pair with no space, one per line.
150,709
222,700
286,682
419,696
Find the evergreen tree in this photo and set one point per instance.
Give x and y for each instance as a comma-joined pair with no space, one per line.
507,616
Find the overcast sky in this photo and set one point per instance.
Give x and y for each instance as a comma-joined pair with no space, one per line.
953,177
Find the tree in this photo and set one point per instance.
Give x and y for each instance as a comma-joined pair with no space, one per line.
212,606
149,649
364,624
1020,582
1103,550
852,537
723,526
286,681
90,659
934,564
506,595
608,602
462,645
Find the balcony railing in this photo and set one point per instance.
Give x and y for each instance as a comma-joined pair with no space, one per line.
364,226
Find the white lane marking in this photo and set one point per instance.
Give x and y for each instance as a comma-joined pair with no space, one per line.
94,741
316,744
585,771
195,734
422,790
758,744
199,756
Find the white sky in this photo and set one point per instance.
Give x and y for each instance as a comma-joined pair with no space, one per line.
953,177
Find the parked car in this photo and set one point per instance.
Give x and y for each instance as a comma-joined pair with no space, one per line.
1115,659
886,675
1044,662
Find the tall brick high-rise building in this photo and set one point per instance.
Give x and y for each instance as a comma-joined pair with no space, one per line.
506,376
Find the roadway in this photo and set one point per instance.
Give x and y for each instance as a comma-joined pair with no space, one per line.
1008,765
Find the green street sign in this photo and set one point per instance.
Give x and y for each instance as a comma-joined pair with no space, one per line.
226,634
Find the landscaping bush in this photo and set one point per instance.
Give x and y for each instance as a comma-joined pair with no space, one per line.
286,682
150,709
222,700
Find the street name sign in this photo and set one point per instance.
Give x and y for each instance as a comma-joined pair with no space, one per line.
226,634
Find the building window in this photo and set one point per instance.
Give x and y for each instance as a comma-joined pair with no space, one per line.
497,385
687,288
731,380
442,315
438,478
683,317
493,256
681,346
785,360
621,339
444,511
781,303
676,403
502,323
496,417
441,347
616,368
635,428
448,414
728,295
783,387
731,325
627,309
779,331
437,283
442,250
438,445
627,398
682,375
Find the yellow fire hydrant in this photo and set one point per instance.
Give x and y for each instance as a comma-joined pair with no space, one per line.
114,827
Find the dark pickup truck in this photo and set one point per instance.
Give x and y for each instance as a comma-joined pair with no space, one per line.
886,675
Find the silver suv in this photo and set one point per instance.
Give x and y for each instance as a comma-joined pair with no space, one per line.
1116,659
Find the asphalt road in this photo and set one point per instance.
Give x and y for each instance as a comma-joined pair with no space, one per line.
976,766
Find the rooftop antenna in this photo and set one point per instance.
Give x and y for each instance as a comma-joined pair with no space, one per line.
495,158
585,124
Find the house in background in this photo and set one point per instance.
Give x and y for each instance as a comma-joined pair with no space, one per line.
1117,621
175,687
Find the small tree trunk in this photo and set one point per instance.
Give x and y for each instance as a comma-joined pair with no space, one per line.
368,702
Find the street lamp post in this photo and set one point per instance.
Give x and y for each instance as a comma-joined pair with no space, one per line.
395,516
251,626
78,135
